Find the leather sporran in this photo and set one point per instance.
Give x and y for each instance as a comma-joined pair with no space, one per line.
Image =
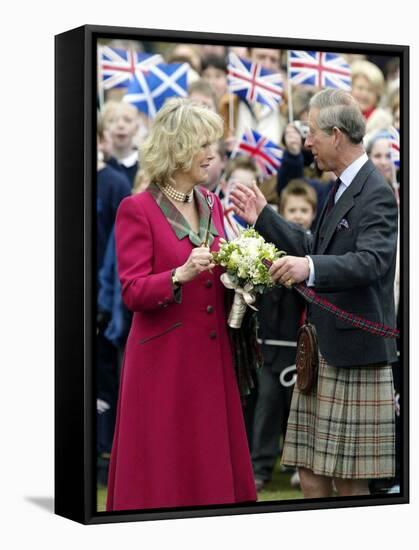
307,359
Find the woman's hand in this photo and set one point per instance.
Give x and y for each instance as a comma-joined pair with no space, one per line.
248,202
199,260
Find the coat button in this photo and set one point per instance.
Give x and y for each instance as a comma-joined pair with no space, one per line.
213,335
208,283
210,309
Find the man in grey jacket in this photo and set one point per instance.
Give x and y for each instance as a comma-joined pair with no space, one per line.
343,432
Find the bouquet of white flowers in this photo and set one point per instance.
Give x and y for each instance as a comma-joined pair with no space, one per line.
246,272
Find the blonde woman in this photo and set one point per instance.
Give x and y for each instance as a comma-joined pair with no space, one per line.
180,438
368,86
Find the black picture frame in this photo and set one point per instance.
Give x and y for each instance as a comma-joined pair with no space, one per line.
75,153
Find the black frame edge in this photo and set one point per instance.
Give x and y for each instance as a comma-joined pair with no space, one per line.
202,37
404,265
70,332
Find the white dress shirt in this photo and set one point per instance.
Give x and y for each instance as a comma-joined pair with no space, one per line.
346,178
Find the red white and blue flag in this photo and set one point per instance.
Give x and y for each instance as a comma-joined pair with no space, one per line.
394,141
319,69
267,155
148,91
252,82
117,66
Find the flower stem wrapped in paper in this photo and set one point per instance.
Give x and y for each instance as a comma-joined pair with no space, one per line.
245,272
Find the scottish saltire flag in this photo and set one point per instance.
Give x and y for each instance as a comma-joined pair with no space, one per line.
117,67
252,82
148,91
394,141
267,155
320,69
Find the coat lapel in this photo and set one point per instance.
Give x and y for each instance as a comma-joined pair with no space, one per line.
329,222
204,213
179,224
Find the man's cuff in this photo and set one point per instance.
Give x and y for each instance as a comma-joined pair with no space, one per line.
311,277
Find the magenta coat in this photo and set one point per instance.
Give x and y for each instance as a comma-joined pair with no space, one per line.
180,438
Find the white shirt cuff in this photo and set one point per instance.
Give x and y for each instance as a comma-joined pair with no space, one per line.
311,277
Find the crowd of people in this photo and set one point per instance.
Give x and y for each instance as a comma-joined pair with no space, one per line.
179,434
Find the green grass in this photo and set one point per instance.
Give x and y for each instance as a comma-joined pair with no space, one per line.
101,499
278,488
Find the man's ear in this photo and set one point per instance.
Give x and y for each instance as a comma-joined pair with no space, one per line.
338,136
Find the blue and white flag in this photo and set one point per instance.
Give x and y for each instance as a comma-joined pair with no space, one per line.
148,91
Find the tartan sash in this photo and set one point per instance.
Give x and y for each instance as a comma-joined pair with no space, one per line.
355,320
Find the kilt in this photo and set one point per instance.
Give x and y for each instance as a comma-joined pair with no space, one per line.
345,427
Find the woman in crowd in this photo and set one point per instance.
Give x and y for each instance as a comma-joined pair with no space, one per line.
368,86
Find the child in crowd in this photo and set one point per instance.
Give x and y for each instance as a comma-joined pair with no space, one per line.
203,93
280,315
112,187
214,70
298,203
122,122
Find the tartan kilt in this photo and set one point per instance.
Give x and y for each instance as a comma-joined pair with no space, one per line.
346,427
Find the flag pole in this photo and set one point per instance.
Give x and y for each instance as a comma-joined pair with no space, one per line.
101,91
231,112
230,99
236,148
290,106
101,96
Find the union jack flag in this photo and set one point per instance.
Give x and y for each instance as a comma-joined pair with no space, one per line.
117,67
148,91
320,69
394,141
267,155
252,82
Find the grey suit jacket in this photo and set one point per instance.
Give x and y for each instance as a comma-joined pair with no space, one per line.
354,253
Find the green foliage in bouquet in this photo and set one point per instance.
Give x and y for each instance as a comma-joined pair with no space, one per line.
242,259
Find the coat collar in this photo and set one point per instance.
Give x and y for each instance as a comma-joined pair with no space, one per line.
179,224
329,222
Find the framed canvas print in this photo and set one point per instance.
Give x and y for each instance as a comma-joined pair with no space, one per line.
231,274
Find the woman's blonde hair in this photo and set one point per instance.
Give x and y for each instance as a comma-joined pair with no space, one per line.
179,130
374,74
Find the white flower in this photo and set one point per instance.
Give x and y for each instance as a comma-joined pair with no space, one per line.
243,259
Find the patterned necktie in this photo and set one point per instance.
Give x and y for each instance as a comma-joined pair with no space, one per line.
331,199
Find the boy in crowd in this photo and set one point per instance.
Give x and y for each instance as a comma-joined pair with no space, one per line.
121,119
279,316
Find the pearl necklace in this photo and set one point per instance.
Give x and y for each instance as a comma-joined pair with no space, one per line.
171,192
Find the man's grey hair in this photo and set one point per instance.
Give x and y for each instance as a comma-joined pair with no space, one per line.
338,109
